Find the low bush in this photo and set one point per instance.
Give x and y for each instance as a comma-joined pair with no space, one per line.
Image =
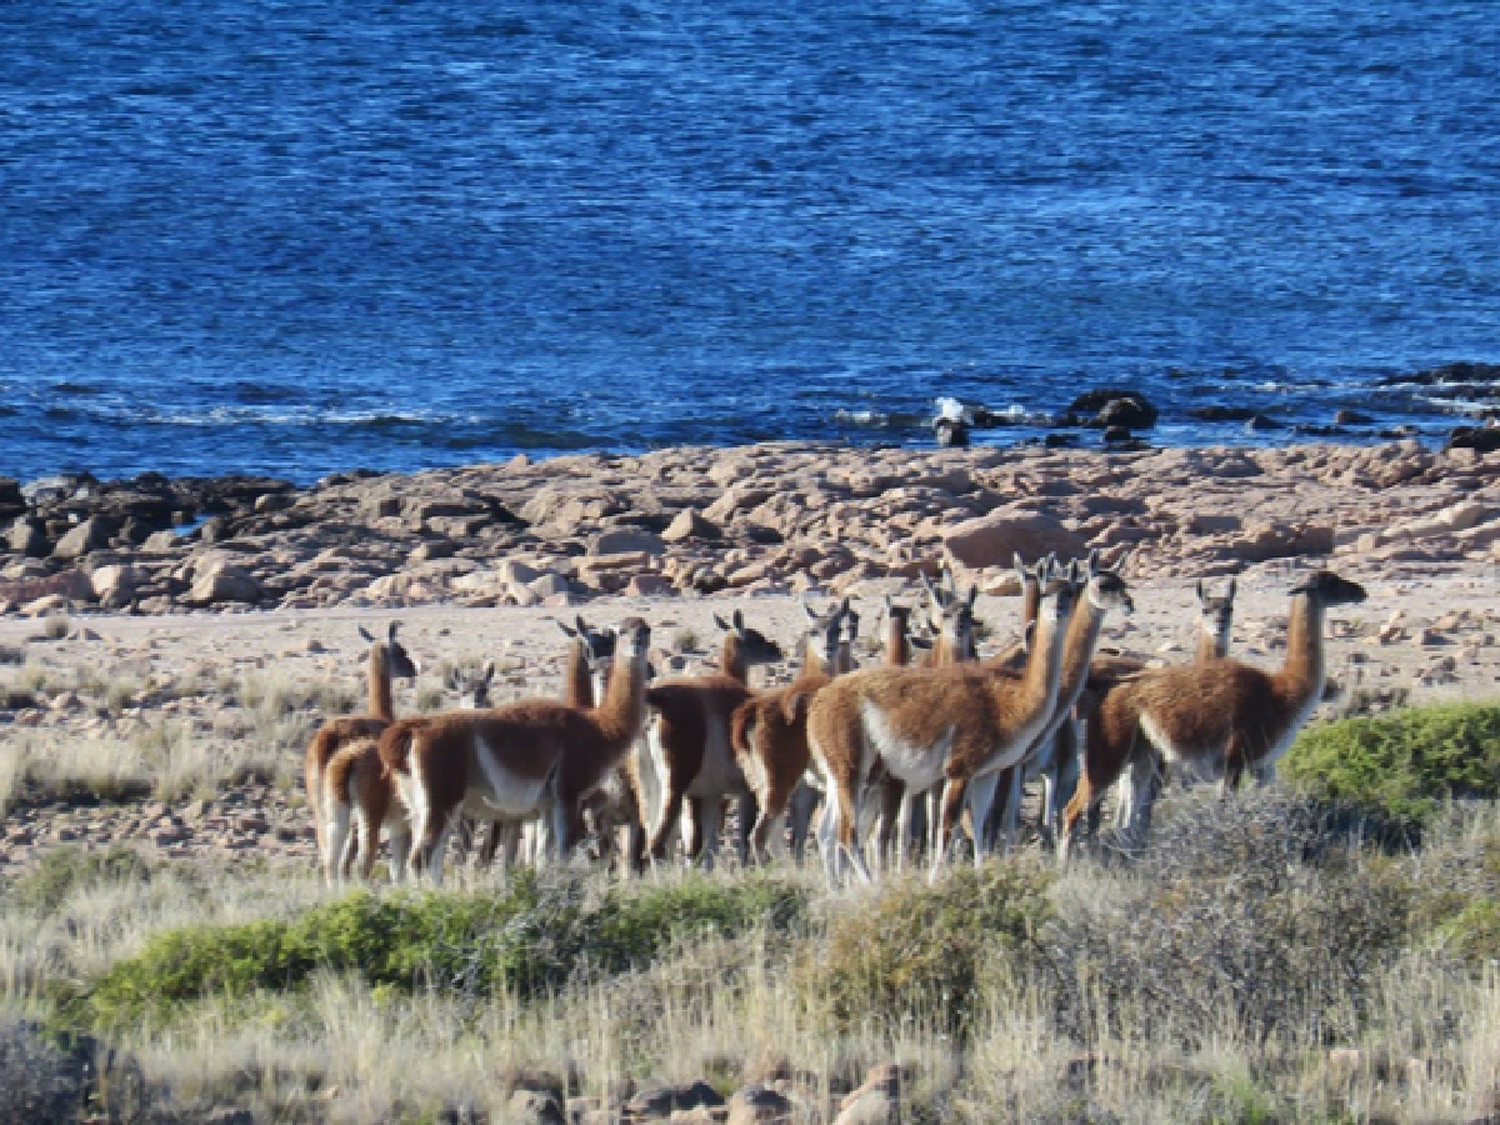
1397,770
526,938
1246,917
61,873
923,952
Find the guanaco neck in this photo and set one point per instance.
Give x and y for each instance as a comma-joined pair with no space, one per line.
1079,643
1304,671
1212,643
897,646
843,658
732,660
950,650
1037,691
382,696
578,689
624,708
1031,603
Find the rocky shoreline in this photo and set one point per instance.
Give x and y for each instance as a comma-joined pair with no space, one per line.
778,517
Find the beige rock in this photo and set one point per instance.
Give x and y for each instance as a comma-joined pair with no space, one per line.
741,498
225,583
688,524
994,539
113,585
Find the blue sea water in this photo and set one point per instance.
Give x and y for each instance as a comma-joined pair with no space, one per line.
286,237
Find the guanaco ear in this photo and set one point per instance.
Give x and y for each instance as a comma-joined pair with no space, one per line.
1093,563
1020,565
973,595
1202,593
391,632
722,624
795,702
567,629
739,621
487,673
1073,572
807,609
1229,593
742,727
365,633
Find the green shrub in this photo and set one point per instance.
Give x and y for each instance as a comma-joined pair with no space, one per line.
1397,770
1474,934
527,938
921,951
62,872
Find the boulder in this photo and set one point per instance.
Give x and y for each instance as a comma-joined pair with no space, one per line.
28,537
91,535
995,539
222,583
648,586
740,498
663,1101
114,585
1111,406
756,1104
626,540
688,524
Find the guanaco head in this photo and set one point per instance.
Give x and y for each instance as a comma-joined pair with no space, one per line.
952,621
1216,616
1325,588
471,685
598,644
1104,588
824,631
398,661
754,646
848,635
1059,598
632,643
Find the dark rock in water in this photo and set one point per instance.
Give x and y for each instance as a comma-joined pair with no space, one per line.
983,418
1475,373
1486,439
1060,441
1222,413
1112,407
1320,431
952,433
1351,418
1261,423
12,503
46,492
1118,438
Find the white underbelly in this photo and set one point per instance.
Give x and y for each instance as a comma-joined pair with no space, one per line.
498,791
720,774
916,766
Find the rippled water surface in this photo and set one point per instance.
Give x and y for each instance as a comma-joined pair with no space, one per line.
294,237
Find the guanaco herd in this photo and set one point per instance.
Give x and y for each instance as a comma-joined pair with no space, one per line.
904,758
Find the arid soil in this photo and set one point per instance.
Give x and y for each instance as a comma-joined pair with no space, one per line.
674,536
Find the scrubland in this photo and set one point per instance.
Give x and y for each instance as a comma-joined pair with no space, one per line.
1320,951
